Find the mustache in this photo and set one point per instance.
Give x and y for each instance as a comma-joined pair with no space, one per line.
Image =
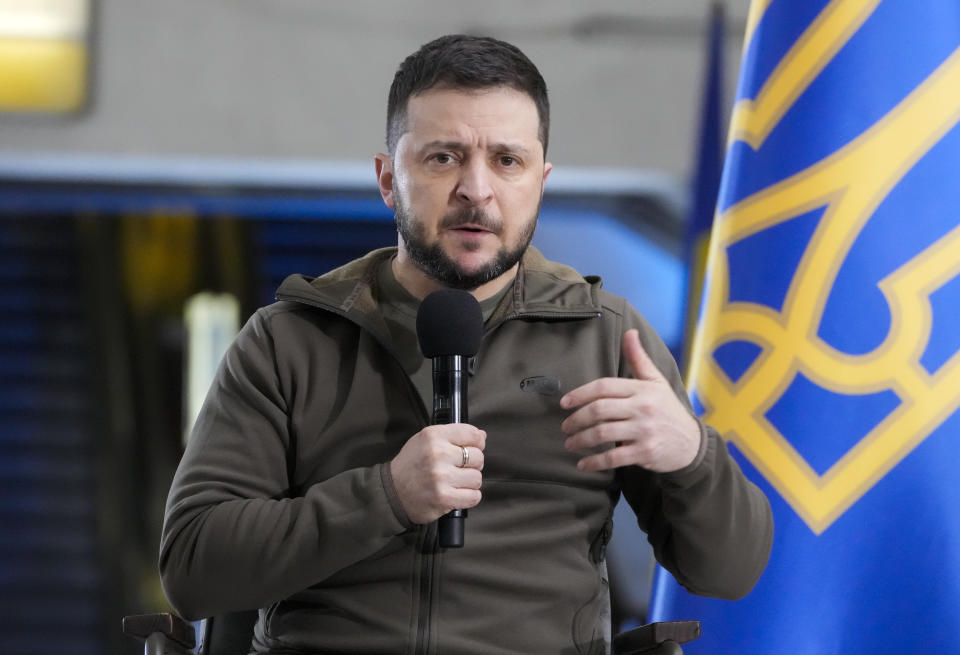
471,216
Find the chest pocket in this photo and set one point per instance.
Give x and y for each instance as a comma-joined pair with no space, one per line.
514,394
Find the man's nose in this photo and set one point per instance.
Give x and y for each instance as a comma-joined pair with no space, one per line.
474,186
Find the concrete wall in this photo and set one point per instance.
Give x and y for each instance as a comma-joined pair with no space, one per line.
307,79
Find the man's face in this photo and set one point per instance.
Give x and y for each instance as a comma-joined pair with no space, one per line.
465,183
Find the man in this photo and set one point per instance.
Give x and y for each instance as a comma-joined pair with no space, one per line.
312,483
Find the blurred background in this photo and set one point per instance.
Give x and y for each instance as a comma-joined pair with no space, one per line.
164,165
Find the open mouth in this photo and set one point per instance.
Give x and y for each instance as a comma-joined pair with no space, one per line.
473,229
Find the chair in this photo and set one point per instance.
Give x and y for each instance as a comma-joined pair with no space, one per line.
168,634
230,634
661,638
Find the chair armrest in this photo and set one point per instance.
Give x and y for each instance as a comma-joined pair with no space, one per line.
141,626
653,638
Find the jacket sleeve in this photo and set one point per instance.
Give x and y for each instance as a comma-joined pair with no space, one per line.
234,536
709,526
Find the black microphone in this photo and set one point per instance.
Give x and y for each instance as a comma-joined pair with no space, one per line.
449,328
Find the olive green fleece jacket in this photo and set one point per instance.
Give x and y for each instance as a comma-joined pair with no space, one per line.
283,499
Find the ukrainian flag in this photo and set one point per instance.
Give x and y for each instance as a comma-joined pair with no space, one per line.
828,352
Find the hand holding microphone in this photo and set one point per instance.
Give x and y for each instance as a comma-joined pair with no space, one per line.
437,472
428,475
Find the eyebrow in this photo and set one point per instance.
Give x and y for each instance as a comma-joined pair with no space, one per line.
460,145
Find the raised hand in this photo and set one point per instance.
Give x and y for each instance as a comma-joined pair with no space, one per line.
641,418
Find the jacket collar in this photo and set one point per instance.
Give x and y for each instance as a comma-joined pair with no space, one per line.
542,288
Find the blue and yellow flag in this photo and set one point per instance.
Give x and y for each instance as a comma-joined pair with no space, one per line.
828,353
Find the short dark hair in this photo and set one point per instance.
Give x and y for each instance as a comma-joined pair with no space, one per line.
459,61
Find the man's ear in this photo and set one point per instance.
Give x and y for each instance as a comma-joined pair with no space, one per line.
384,166
547,167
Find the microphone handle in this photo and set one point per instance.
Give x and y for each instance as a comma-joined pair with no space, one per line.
450,406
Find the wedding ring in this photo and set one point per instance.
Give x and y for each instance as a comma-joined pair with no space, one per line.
464,457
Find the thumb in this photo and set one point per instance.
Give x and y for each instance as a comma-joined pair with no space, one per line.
640,363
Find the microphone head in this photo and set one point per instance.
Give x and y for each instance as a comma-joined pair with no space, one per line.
449,322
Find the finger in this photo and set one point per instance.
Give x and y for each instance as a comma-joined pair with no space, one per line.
598,435
466,479
474,458
458,434
459,456
474,437
466,457
608,459
462,499
596,389
597,411
637,358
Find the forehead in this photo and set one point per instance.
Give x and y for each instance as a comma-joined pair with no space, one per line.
497,113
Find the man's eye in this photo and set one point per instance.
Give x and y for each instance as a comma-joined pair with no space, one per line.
443,158
508,161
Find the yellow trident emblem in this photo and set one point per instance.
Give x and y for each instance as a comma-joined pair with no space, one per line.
849,184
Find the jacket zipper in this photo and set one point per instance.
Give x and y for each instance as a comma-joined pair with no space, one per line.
546,316
565,316
428,559
429,552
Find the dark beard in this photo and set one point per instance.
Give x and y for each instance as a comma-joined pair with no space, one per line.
432,260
